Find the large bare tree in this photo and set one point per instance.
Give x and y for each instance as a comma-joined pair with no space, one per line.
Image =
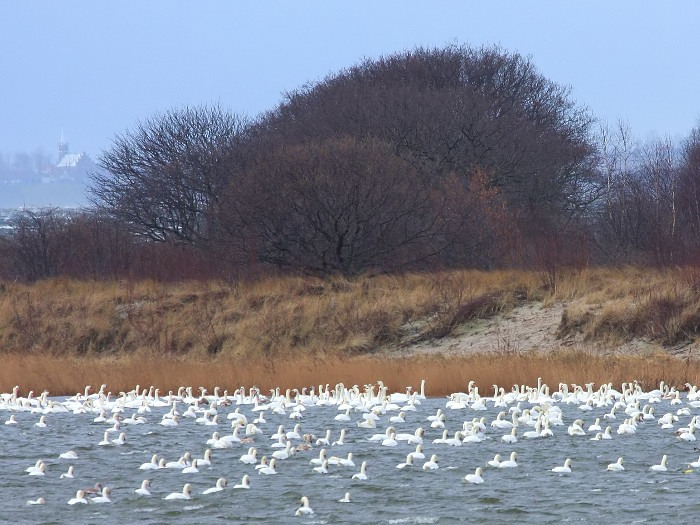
163,177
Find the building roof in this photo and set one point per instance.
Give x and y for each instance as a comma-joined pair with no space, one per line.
70,160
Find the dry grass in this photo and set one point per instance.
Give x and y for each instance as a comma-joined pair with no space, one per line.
297,330
444,375
282,316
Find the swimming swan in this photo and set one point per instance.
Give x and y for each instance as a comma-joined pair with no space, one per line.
408,463
362,475
69,474
79,498
143,490
431,464
616,467
221,483
270,469
244,484
509,463
476,477
104,497
304,510
661,467
185,494
152,465
565,469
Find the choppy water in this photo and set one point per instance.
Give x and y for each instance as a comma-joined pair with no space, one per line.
529,493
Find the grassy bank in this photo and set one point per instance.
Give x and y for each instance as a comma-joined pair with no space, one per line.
61,334
444,375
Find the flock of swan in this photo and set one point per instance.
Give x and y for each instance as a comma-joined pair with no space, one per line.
253,436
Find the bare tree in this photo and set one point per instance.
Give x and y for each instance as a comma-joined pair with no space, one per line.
337,205
162,178
456,110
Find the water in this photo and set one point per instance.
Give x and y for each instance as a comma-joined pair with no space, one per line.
529,493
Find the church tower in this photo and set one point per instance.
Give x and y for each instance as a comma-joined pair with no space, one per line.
62,148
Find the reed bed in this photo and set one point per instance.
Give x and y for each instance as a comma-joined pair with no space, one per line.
68,375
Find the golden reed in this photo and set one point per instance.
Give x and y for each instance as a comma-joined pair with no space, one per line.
62,375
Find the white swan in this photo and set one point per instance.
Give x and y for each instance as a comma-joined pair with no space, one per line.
390,441
41,423
68,455
69,474
476,477
617,466
79,498
35,466
408,463
221,483
13,421
304,510
564,469
326,440
38,501
152,465
143,489
512,437
362,475
39,471
495,462
323,468
345,499
251,457
104,497
347,462
432,463
509,463
244,484
341,439
193,468
270,469
185,494
662,466
284,454
418,454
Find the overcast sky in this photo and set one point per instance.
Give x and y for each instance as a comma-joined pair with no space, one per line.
93,69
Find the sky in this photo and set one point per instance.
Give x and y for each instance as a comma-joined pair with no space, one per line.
91,70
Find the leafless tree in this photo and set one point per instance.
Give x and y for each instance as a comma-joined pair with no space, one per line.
162,177
339,205
456,110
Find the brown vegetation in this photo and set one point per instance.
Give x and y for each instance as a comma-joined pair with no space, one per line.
443,375
58,334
